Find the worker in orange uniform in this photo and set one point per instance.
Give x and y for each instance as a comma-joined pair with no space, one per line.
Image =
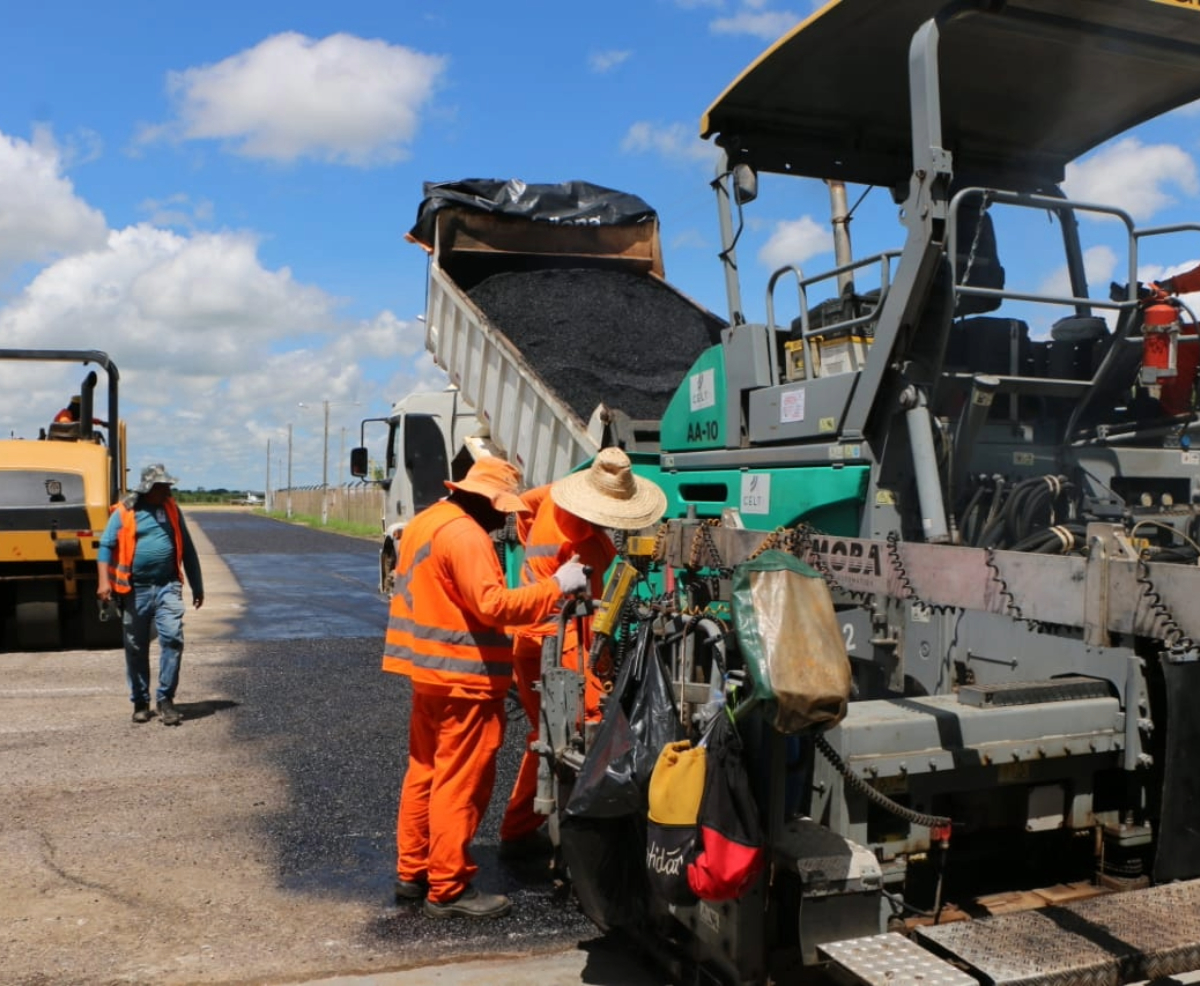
1184,283
447,633
572,521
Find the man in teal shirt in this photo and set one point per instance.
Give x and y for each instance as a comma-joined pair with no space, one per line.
145,551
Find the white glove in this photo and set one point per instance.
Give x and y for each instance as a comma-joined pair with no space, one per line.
571,577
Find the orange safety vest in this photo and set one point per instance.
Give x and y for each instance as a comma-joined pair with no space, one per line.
121,574
450,607
553,538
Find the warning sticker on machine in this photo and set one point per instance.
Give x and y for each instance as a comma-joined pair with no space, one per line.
791,405
702,390
1187,4
756,493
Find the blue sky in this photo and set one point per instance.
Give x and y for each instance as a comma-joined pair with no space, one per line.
216,194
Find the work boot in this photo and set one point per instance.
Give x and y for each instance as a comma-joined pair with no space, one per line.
528,846
471,903
408,891
169,715
141,712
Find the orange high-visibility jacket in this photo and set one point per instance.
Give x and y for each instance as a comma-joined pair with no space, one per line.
451,605
1187,282
553,538
121,574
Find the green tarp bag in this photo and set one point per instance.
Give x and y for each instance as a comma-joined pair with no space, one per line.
791,641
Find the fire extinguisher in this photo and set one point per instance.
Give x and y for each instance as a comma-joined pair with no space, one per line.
1160,345
1168,367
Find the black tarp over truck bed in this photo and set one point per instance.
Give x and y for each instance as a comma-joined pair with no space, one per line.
571,274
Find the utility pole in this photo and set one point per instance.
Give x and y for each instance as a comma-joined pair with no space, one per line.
267,488
289,492
325,471
325,456
342,459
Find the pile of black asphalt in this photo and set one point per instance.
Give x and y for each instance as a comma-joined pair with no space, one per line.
600,336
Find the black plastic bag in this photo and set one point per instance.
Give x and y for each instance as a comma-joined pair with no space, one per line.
615,775
605,858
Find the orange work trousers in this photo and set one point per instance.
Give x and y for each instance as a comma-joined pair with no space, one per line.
452,746
519,817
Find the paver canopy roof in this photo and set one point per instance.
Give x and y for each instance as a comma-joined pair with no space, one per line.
1026,86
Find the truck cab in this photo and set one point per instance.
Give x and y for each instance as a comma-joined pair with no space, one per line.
431,437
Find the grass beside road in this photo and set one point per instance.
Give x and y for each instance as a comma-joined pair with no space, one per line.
370,531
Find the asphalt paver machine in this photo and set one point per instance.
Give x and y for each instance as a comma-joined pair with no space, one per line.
995,481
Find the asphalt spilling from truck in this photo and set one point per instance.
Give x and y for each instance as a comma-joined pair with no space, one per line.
313,693
600,336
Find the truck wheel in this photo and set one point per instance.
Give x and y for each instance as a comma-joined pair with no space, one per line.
387,569
35,619
98,634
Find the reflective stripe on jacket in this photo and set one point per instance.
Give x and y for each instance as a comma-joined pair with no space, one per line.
553,538
451,605
121,574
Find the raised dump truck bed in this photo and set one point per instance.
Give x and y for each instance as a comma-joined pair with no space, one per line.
548,309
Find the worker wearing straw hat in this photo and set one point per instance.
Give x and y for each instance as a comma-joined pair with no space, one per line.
573,520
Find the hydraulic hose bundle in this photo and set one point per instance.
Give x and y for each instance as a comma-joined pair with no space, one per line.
1022,517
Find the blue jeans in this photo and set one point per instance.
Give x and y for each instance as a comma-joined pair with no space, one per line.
158,607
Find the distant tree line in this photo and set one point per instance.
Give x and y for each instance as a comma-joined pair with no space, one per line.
220,495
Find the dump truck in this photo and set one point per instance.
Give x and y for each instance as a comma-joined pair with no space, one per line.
540,298
986,484
56,492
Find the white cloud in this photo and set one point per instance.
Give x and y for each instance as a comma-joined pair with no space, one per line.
606,61
766,24
41,217
674,142
341,99
1099,266
177,210
1134,175
794,241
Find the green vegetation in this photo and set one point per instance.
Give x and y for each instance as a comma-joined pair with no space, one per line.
214,496
334,525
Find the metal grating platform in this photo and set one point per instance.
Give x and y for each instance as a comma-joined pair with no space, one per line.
892,960
1031,692
1104,941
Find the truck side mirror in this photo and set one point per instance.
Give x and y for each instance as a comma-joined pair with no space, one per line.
360,463
745,183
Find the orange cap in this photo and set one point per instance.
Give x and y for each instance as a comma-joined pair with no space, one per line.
497,479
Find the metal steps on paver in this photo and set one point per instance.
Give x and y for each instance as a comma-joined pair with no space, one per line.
892,960
1104,941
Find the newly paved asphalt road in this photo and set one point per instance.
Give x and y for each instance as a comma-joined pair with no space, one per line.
309,598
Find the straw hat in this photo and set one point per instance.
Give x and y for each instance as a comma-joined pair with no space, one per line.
497,479
609,494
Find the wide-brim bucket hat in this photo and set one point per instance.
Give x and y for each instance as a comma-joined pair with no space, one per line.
608,493
155,475
497,479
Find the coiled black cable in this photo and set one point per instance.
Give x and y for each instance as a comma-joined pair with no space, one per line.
871,794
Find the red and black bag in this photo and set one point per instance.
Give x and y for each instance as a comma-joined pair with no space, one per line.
730,851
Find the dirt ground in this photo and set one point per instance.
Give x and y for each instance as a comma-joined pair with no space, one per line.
131,854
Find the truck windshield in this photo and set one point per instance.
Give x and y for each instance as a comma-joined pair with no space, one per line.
425,461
